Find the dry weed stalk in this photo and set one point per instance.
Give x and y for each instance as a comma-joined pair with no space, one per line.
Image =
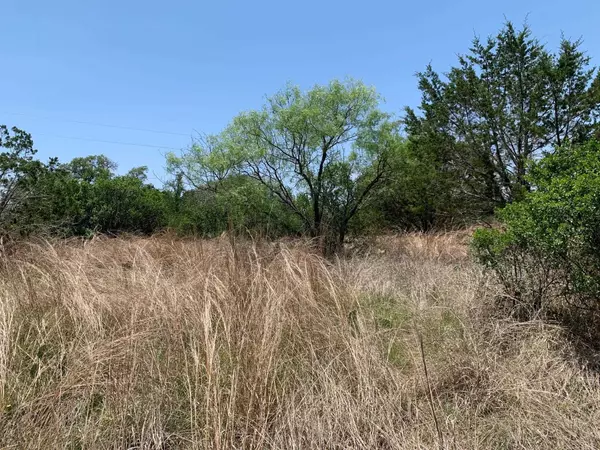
164,343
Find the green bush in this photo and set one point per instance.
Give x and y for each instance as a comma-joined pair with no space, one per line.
126,203
550,242
237,204
85,197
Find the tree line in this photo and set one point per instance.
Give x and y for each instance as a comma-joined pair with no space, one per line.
329,161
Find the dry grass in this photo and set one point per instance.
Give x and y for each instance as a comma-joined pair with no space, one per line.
163,344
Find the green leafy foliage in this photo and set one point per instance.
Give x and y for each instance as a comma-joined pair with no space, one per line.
90,169
321,153
84,196
551,238
237,204
125,203
328,161
18,170
506,102
418,194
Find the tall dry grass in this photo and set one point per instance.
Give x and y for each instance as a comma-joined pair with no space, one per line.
163,344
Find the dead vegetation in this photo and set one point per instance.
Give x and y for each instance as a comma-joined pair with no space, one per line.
160,343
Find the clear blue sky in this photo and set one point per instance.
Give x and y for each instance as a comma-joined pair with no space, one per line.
184,65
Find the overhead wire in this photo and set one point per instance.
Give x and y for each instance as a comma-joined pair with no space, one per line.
133,144
82,122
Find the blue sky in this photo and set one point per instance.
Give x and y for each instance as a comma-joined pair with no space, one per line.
181,65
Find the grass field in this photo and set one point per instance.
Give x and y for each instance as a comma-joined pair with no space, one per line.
161,343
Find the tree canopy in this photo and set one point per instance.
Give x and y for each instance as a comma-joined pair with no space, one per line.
329,161
320,152
507,102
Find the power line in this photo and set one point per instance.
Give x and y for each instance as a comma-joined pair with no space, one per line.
133,144
147,130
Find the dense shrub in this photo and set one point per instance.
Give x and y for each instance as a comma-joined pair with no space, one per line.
237,204
551,239
85,196
126,203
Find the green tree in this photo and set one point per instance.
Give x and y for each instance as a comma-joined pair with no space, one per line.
55,205
141,173
92,168
85,196
508,101
218,197
321,153
574,95
18,172
418,194
207,162
126,203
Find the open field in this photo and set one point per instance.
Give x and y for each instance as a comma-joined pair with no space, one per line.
159,343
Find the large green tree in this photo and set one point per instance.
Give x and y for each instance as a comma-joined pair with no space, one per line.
18,172
507,102
321,153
